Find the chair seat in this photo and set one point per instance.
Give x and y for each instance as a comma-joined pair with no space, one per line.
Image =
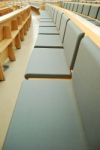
47,24
52,41
43,13
48,30
45,117
47,62
46,20
96,23
45,17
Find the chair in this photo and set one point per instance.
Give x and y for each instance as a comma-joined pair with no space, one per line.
93,11
65,4
98,15
75,7
86,77
80,8
60,114
52,41
46,62
68,6
58,19
50,24
86,10
52,30
43,15
72,6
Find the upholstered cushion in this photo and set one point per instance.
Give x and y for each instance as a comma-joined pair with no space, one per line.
86,80
73,36
47,62
58,20
98,15
93,11
46,117
48,41
86,10
48,30
80,8
50,24
63,25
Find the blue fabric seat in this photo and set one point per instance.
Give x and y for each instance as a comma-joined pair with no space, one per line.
47,62
60,114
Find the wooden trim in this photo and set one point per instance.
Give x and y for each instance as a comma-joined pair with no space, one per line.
6,32
2,77
14,24
19,19
22,35
11,53
17,41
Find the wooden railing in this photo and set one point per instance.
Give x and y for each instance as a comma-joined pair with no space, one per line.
5,10
13,27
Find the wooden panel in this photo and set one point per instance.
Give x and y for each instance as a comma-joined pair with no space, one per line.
22,35
19,18
11,53
6,32
14,24
2,78
3,56
1,33
18,42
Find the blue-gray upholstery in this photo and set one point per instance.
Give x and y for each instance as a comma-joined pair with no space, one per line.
80,8
48,30
86,80
56,62
49,10
93,11
45,40
43,14
58,19
43,19
96,23
60,114
72,6
55,16
47,24
75,7
47,62
52,28
65,5
86,10
46,118
73,36
63,25
68,6
98,15
53,40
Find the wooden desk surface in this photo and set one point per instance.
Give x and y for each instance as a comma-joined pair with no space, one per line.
12,14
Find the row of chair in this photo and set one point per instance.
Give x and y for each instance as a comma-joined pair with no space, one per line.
89,11
55,44
85,1
58,113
